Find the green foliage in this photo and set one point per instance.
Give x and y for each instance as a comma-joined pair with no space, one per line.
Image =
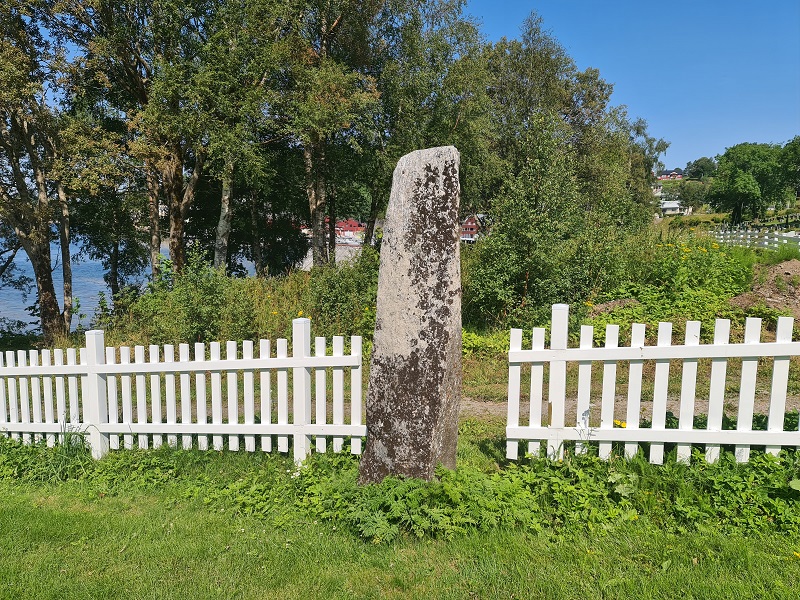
342,297
548,243
685,279
202,304
750,179
577,494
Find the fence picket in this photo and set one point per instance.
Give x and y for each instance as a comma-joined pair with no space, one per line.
72,389
94,393
609,390
141,397
537,390
113,400
634,389
36,393
283,394
47,389
301,390
557,390
4,418
200,394
155,395
514,371
24,396
780,381
747,389
185,383
716,392
249,397
13,401
61,398
231,353
216,396
321,394
169,392
127,396
84,379
583,409
338,392
355,393
688,389
265,381
660,385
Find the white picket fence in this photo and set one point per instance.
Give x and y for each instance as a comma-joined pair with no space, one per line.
99,391
772,240
591,427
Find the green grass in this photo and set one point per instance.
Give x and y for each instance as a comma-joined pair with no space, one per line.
62,541
167,524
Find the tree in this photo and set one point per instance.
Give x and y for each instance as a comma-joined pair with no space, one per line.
692,194
324,95
145,57
33,199
243,57
790,164
738,193
702,168
750,179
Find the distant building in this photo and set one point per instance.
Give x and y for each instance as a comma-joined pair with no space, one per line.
350,232
671,208
670,174
472,228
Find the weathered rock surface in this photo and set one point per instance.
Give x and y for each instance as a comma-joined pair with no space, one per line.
415,375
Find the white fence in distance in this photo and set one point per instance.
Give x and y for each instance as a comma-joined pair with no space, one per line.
557,431
100,391
771,240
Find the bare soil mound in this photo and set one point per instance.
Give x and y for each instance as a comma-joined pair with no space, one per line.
774,286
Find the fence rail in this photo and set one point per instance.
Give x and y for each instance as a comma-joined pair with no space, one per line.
557,431
754,238
112,398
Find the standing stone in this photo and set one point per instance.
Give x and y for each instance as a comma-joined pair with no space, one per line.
415,375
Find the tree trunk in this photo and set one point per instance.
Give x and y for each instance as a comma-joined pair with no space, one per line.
369,230
313,155
50,316
180,198
113,270
332,226
66,257
258,259
153,189
225,218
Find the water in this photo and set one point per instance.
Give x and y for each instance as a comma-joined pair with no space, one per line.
87,283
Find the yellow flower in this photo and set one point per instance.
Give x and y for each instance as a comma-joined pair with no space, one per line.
796,554
274,312
589,304
300,313
619,423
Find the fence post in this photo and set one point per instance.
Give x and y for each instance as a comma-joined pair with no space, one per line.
558,379
95,401
301,392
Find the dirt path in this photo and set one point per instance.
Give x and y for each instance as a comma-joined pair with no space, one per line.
494,410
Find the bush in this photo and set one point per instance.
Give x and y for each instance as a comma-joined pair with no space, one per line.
202,304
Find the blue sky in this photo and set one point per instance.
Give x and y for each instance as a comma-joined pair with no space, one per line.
704,74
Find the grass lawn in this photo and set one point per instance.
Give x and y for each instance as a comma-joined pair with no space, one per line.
141,529
64,542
